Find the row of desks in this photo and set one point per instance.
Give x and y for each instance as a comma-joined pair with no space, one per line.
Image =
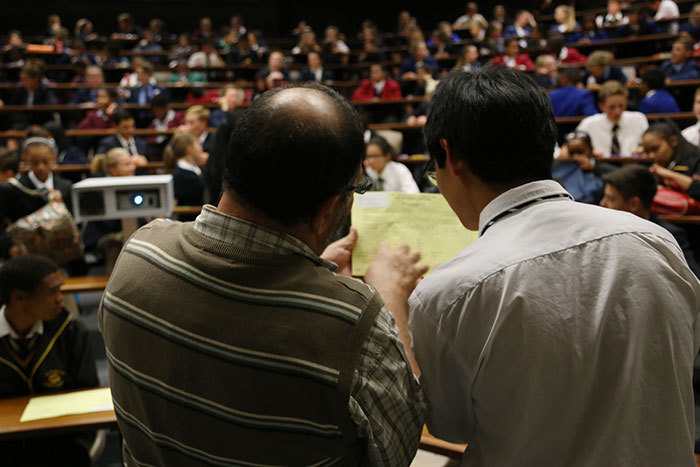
11,428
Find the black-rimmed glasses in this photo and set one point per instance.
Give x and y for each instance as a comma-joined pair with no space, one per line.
429,173
361,187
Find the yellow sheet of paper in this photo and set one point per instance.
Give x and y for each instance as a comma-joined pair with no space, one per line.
90,400
424,221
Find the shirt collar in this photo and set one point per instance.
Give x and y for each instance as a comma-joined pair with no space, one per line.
183,164
514,199
203,137
7,329
123,141
48,184
252,237
650,93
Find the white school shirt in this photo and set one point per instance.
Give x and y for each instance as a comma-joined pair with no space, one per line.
48,184
395,177
632,127
692,134
563,336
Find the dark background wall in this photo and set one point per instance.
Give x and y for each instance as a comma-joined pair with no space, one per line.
274,17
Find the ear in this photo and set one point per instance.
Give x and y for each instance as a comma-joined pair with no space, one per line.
634,204
673,141
17,296
600,106
323,220
454,164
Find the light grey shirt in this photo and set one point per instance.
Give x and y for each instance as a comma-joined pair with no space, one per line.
564,335
632,126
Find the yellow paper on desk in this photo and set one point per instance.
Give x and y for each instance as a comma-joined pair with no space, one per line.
90,400
424,221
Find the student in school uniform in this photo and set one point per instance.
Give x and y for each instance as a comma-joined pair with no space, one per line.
386,174
614,131
124,137
676,160
105,236
40,156
569,100
600,69
632,189
197,123
183,156
681,66
657,100
43,349
9,164
692,133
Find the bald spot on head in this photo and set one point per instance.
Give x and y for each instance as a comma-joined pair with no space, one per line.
306,105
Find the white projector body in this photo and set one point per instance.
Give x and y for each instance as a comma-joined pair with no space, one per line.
106,198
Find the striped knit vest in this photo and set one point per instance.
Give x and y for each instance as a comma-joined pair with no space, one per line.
220,356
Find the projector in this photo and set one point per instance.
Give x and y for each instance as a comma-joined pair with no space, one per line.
106,198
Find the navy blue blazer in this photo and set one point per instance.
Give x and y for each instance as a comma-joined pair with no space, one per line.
611,72
625,30
689,70
60,184
571,101
690,29
308,75
661,102
144,94
110,142
410,64
84,95
510,31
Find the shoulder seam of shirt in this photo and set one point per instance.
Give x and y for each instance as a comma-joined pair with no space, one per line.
479,282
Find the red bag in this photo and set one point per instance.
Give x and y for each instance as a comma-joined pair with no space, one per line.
670,201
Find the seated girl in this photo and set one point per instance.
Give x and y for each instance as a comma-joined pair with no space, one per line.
677,162
387,174
183,157
106,236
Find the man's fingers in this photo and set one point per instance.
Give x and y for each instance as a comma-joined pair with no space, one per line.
414,256
422,269
350,240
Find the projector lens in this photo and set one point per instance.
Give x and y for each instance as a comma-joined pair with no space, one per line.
137,200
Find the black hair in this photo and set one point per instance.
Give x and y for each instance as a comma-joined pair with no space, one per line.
655,78
510,41
633,180
382,143
666,128
9,160
111,92
572,75
160,100
286,164
121,114
495,119
582,135
25,273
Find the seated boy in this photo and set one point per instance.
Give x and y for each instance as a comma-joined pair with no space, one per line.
569,100
42,350
681,66
657,100
632,189
124,137
600,69
615,131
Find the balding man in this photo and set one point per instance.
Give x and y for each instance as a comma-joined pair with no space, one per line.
232,342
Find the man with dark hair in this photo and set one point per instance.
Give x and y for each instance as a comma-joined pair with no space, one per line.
124,137
31,91
657,100
42,350
568,100
278,350
550,337
632,189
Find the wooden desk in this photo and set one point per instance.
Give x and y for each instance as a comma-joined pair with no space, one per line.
692,220
10,426
430,443
85,284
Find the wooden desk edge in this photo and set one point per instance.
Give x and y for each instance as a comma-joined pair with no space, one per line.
59,425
